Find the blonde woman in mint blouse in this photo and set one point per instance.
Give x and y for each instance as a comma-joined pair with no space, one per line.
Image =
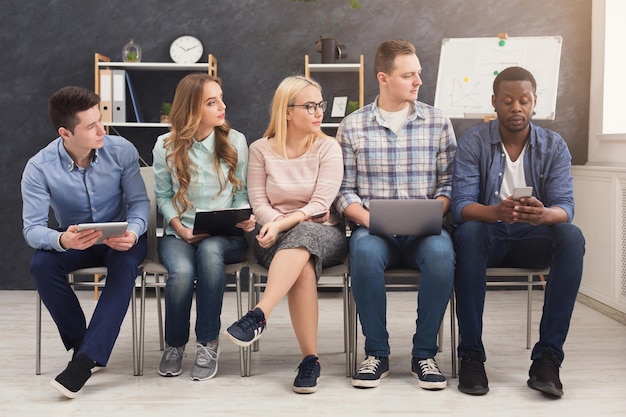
200,164
294,173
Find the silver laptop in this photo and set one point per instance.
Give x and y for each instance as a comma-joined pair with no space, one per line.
420,217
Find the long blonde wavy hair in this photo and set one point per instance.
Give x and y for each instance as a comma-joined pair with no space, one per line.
185,116
284,97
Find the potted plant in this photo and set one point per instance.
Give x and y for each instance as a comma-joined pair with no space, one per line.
165,112
352,107
327,44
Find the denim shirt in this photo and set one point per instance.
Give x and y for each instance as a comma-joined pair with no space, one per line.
109,189
480,163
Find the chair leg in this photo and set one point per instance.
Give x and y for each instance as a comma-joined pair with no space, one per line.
347,347
157,296
453,334
133,306
142,323
242,351
440,338
529,310
257,297
38,337
354,325
251,304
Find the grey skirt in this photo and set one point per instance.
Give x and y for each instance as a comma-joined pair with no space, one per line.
327,244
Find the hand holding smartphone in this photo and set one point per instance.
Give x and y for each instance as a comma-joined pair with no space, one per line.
319,214
520,192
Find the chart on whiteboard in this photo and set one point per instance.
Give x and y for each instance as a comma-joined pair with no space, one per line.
468,67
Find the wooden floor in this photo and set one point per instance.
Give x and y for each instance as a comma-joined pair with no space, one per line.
593,374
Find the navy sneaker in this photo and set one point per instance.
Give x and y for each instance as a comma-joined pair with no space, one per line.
371,371
428,374
308,373
544,375
247,329
472,376
73,378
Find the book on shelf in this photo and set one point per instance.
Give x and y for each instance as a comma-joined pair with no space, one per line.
133,99
106,105
119,96
220,222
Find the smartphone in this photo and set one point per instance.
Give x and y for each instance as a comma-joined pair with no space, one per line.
520,192
319,214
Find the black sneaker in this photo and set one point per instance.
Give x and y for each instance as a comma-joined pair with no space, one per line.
73,378
544,374
247,329
371,371
308,373
428,374
472,376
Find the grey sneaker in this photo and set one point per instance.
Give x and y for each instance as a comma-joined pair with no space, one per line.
172,361
205,366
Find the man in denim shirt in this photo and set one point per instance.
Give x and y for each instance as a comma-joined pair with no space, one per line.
496,230
84,176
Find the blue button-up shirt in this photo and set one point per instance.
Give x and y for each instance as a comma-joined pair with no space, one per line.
110,189
415,163
480,163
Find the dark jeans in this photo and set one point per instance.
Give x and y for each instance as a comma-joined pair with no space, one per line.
480,245
371,255
49,270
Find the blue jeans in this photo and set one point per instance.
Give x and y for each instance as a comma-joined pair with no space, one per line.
200,266
49,270
371,255
480,245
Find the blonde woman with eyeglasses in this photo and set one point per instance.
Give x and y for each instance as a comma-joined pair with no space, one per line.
294,174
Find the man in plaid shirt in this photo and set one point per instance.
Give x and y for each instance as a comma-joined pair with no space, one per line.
397,148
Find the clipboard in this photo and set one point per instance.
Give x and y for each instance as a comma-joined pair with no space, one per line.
220,222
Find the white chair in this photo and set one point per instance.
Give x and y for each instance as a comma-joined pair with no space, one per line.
409,281
100,271
505,277
152,267
256,274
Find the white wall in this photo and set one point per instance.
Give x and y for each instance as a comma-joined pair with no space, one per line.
607,121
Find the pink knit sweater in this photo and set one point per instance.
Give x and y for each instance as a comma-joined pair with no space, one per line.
279,186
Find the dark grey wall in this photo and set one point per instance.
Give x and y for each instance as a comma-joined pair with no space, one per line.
49,44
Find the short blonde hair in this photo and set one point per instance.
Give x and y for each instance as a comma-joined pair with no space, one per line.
284,97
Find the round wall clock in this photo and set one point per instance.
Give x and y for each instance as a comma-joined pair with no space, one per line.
186,49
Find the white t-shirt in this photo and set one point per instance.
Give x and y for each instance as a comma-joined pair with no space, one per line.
395,119
513,174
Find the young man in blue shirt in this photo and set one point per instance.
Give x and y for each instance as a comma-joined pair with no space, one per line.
495,230
397,148
84,176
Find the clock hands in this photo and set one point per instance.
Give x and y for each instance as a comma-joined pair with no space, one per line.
187,49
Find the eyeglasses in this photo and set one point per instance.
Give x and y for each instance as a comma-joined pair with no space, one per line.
311,108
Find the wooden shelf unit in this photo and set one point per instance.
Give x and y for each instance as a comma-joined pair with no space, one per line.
103,61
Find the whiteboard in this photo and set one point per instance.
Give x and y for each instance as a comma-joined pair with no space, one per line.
468,66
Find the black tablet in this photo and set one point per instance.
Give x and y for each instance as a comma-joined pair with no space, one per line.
220,222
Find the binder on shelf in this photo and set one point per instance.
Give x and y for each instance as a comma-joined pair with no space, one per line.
119,96
133,99
106,103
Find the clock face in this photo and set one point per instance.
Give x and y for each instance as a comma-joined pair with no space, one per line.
186,49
